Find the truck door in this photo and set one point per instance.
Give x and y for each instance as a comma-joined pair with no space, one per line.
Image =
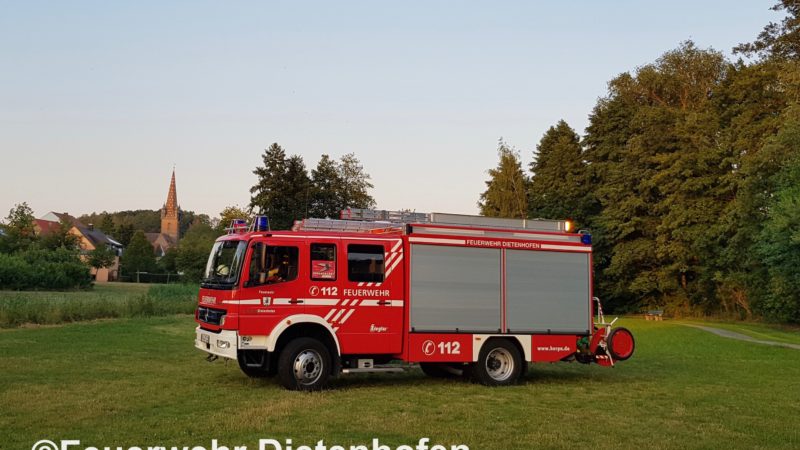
372,281
272,287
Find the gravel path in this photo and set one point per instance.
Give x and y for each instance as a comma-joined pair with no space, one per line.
743,337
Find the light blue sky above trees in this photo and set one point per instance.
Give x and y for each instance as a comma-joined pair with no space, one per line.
98,100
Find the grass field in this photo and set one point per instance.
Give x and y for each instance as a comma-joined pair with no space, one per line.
140,382
104,300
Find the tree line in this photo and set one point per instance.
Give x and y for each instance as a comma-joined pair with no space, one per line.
284,191
688,177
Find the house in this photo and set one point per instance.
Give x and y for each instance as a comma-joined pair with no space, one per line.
88,239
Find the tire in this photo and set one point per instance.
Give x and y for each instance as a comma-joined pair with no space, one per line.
440,370
304,365
620,344
499,364
260,371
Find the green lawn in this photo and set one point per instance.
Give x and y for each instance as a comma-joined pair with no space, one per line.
140,382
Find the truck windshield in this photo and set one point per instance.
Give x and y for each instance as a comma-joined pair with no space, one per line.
224,265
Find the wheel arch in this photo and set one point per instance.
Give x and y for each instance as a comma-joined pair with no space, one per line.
522,342
304,325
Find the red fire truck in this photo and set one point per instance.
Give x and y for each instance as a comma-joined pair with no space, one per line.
457,294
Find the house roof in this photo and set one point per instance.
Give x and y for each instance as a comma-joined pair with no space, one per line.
96,237
46,226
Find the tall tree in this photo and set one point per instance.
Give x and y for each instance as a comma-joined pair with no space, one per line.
655,162
107,225
354,184
778,40
124,233
779,241
559,188
139,256
298,189
268,195
506,190
325,182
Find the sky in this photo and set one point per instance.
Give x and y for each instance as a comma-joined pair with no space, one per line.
100,100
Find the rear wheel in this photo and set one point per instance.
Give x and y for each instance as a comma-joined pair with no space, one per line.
620,344
499,364
304,365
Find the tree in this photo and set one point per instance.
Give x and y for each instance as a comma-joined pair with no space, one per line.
189,218
655,161
559,188
19,231
298,190
124,233
268,195
227,215
139,256
193,252
777,40
778,245
168,262
60,237
325,185
354,185
506,193
107,225
101,257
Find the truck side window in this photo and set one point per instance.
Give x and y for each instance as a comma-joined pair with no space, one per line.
271,264
323,262
365,263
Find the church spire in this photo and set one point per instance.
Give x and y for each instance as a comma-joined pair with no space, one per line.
172,198
170,213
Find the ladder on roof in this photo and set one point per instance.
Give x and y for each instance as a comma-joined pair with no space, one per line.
405,217
347,226
384,215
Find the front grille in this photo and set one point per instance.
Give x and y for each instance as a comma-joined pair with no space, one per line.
210,315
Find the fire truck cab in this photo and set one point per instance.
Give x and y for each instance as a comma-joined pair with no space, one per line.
456,294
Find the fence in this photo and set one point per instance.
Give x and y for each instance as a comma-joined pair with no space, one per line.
148,277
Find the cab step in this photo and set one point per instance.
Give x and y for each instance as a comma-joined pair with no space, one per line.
377,369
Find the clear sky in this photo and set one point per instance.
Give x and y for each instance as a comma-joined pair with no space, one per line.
99,99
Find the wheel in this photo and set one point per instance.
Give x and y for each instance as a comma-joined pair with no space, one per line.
304,365
255,363
441,370
499,364
620,344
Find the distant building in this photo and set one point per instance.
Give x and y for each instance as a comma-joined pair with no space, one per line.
88,239
170,223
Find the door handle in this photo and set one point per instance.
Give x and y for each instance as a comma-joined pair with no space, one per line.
295,301
385,302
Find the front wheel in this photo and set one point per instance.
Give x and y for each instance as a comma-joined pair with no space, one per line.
304,365
499,364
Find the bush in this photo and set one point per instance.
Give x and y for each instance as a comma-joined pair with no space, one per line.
39,269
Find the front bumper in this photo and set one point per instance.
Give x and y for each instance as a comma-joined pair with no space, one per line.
222,343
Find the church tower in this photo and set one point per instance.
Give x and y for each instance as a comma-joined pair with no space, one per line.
171,213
